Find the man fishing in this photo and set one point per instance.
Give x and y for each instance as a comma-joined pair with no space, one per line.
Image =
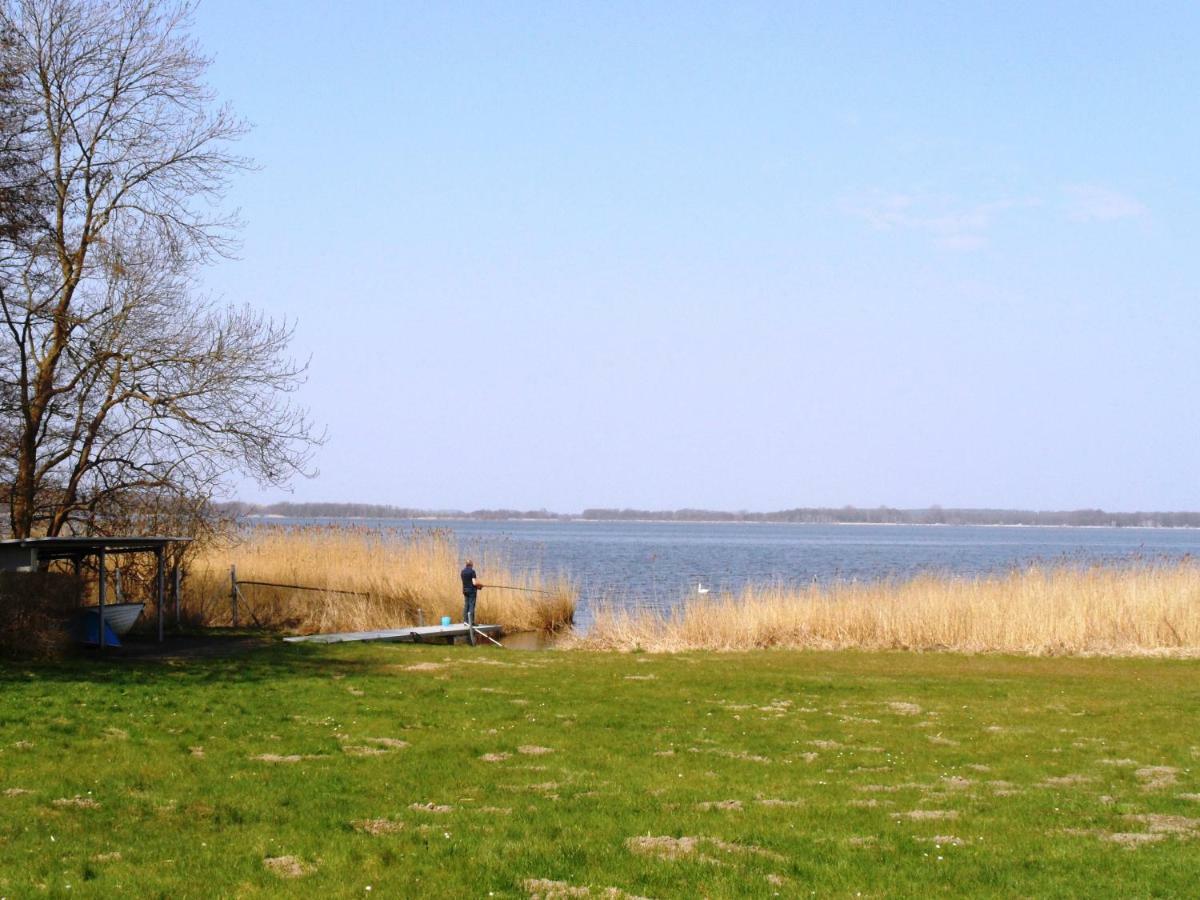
471,588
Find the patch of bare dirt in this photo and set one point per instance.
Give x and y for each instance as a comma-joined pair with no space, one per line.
826,745
534,750
197,752
1118,762
495,757
944,840
287,866
776,801
1066,780
1004,788
16,792
362,750
730,805
377,826
390,743
904,708
286,758
111,856
1157,823
1132,839
924,815
890,788
545,889
424,667
77,802
430,807
778,707
671,848
731,754
1155,778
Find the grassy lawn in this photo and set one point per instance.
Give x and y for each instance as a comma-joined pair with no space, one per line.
403,771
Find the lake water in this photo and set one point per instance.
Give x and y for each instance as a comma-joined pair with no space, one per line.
660,564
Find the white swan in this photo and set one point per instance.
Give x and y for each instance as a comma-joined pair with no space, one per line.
700,588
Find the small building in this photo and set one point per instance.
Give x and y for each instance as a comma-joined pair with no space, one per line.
33,554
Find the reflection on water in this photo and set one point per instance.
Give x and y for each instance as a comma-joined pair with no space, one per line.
530,640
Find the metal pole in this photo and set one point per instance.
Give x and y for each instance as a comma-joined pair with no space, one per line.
233,592
158,589
100,608
175,576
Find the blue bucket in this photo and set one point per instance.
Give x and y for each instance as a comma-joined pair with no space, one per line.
445,620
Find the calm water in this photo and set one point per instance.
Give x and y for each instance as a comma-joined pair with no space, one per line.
661,563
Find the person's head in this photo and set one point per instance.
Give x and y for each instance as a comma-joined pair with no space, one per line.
470,565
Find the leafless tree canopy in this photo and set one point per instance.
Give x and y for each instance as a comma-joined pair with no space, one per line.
117,382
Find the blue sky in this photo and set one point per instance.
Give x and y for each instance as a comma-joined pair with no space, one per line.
744,256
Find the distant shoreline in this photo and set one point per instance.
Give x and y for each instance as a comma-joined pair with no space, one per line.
267,518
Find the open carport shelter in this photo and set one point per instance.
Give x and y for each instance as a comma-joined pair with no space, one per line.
32,555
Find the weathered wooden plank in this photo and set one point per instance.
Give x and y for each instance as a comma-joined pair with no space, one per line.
415,633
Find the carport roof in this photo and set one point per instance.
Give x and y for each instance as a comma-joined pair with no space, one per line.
70,547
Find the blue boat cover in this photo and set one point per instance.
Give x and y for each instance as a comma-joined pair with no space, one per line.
86,630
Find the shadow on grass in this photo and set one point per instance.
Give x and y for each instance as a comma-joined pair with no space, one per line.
236,658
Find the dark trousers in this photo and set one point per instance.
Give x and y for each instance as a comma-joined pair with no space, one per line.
469,615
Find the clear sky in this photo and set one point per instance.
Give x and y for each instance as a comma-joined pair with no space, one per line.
743,256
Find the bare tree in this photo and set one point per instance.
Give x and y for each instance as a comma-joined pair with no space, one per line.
118,382
19,184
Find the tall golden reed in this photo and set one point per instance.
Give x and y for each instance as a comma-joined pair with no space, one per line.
399,572
1149,609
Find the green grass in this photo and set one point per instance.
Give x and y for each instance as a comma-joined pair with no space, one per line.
849,742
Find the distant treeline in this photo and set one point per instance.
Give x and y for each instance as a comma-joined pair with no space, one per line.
882,515
886,515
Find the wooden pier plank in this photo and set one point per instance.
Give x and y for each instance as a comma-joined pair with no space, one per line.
410,634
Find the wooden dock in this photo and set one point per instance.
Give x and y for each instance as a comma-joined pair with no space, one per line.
413,634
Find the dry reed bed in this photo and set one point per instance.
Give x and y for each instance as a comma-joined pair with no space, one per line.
1146,610
400,572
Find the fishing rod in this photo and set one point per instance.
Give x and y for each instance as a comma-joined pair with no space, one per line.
509,587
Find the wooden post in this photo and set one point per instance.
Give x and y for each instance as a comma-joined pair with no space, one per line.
233,594
175,576
100,608
159,592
